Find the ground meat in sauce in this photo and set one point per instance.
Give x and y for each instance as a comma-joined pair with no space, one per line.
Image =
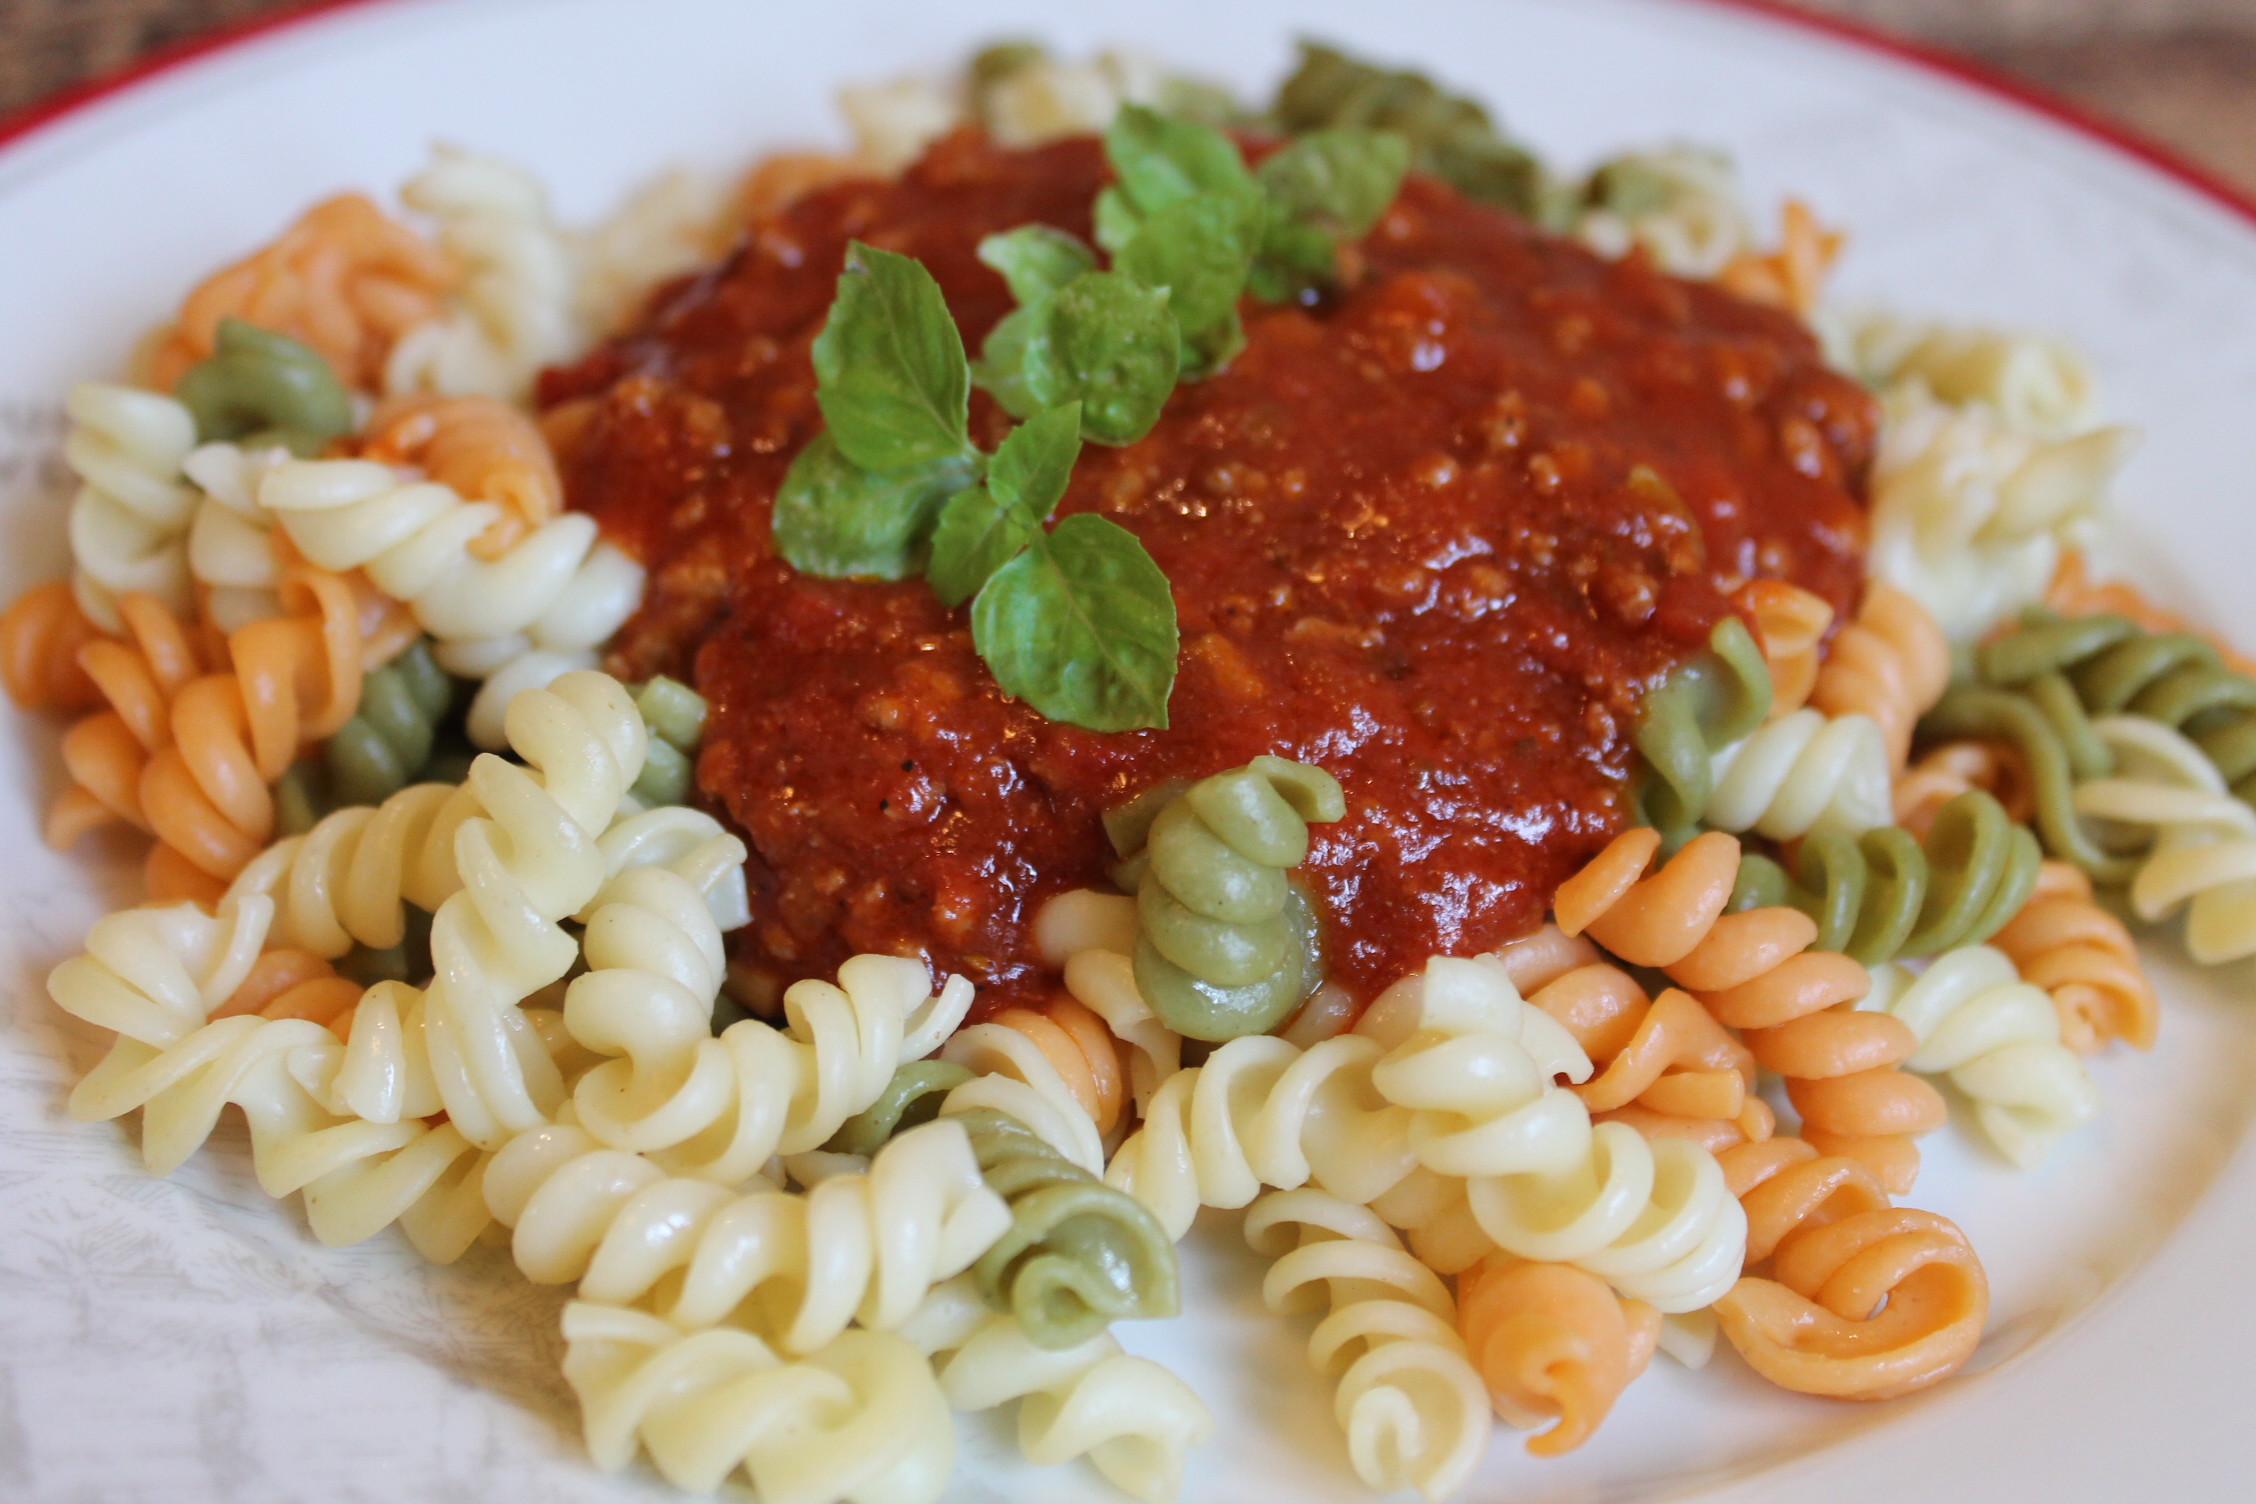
1406,532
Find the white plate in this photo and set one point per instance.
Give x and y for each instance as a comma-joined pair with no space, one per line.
186,1340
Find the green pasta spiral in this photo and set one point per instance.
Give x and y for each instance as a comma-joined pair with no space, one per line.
1079,1254
1883,895
261,387
2055,758
388,741
1451,137
911,1098
1709,701
1227,945
2109,665
675,715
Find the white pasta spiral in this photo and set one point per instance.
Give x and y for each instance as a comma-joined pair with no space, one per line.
1011,1075
552,597
1262,1112
129,521
2036,386
1684,209
1415,1412
1130,1417
857,1247
1998,1039
862,1419
154,975
719,1109
529,860
514,312
230,542
1655,1220
346,880
1969,517
2200,841
1803,774
1090,936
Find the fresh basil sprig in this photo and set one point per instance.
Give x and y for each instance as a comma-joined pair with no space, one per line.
1186,217
1076,621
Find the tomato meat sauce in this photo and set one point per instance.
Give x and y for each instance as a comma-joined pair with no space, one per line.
1437,531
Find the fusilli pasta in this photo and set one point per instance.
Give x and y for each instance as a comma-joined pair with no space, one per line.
129,521
1552,1343
2080,954
2202,851
1415,1412
1891,663
860,1420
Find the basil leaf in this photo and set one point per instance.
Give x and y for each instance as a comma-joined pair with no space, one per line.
1160,160
1035,460
1002,360
1116,220
1081,626
1200,250
977,535
1339,181
1036,260
890,371
835,519
1108,342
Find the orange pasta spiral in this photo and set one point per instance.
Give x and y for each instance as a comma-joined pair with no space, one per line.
1860,1300
1087,1056
40,637
1665,1067
484,449
106,752
1793,276
2075,950
1790,623
1951,769
1552,1343
777,182
295,679
1756,973
345,280
1892,663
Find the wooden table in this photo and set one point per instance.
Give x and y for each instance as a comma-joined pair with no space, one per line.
2181,71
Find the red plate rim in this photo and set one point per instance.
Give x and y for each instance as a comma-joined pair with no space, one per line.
25,123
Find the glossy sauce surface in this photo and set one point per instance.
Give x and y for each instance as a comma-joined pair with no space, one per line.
1437,532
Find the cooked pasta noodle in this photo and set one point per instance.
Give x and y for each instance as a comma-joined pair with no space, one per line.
482,450
1756,971
1846,1296
345,881
2074,592
1680,203
719,1108
549,599
1710,701
1226,942
1415,1412
1891,663
911,1098
389,737
157,976
2081,955
1791,277
264,389
231,546
862,1419
1552,1343
41,634
1802,775
1130,1417
511,312
343,279
1476,1066
1103,980
106,753
1262,1112
798,1268
676,223
1998,1039
1949,769
1078,1254
1969,517
2035,386
675,715
2202,854
1790,625
1081,1049
129,520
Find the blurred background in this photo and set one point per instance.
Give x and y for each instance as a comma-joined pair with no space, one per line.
2180,71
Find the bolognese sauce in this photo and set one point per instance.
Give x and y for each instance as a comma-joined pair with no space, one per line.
1437,530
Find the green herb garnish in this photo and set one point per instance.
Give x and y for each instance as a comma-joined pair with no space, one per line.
1076,620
